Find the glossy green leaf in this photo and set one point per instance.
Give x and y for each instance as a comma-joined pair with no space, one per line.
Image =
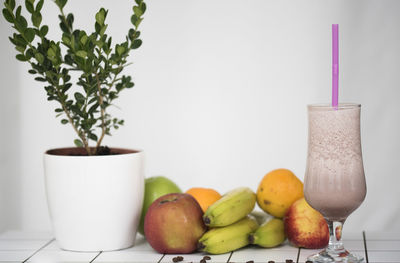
11,4
66,40
79,97
64,27
29,34
39,6
93,137
40,79
21,57
136,43
29,6
21,23
36,19
134,19
61,3
21,49
100,17
29,53
81,54
51,53
138,12
143,7
39,57
18,11
13,41
20,40
43,30
120,50
70,20
78,143
84,39
93,108
103,30
8,15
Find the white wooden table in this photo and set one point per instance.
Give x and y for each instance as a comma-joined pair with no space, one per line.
42,247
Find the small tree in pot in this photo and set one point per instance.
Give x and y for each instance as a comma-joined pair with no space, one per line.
92,55
94,201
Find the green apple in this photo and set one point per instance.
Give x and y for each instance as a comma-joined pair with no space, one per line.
154,188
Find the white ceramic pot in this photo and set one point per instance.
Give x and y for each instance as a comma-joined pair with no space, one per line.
94,201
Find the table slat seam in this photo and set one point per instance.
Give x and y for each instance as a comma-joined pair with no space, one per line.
37,251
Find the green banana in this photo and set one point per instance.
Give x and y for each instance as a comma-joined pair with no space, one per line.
269,234
232,207
221,240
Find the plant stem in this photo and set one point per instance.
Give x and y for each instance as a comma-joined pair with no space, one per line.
84,140
102,112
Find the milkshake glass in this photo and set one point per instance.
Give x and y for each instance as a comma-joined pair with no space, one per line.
334,182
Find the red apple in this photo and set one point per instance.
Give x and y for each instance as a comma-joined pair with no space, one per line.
305,227
173,224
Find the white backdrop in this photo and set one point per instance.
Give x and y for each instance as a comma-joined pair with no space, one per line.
220,97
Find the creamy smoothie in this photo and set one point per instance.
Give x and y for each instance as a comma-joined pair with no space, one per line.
334,180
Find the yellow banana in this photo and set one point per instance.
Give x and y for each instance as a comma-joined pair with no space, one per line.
269,234
221,240
232,207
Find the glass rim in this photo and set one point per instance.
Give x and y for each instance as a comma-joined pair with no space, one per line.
328,106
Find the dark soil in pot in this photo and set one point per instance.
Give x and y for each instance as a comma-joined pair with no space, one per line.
79,151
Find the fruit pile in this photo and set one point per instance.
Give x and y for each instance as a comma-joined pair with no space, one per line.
202,220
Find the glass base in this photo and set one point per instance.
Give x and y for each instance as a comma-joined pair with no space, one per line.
342,257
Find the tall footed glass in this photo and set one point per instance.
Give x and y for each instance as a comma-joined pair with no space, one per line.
334,182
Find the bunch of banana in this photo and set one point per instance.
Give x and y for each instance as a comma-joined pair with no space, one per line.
221,240
232,207
232,225
229,222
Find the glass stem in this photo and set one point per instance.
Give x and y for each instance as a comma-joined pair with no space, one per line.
335,237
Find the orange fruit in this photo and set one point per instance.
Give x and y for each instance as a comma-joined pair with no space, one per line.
204,196
277,191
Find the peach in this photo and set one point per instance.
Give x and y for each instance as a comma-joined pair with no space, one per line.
305,227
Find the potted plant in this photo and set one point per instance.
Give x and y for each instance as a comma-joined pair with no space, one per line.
94,193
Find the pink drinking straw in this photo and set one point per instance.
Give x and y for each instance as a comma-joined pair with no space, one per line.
335,65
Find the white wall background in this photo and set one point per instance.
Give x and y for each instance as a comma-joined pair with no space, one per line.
220,97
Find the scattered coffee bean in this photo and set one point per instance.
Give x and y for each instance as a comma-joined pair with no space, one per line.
250,261
309,261
177,259
289,261
203,261
271,261
206,257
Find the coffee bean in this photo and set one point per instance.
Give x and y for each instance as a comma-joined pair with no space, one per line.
271,261
289,261
250,261
177,259
309,261
203,261
206,257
